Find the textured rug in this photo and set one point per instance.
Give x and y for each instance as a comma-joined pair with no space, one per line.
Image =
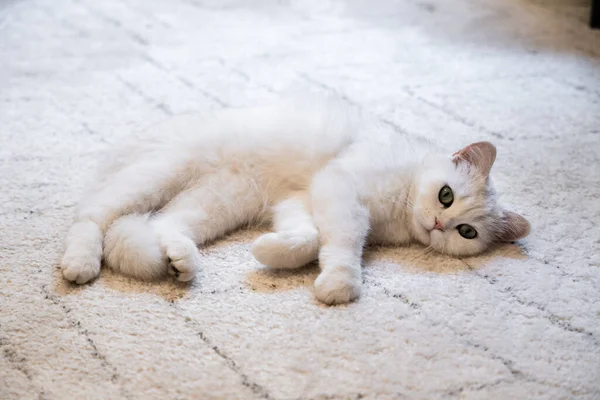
520,322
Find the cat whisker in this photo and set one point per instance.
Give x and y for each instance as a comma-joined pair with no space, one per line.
428,250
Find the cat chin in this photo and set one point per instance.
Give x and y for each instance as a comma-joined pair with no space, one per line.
420,232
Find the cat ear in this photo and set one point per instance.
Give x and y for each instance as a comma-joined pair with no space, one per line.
514,227
481,155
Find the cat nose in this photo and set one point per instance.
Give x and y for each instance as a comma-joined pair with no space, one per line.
438,225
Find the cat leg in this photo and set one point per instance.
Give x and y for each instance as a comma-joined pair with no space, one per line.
221,203
83,252
343,224
295,241
137,188
217,204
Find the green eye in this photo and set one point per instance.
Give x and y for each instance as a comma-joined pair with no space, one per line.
446,196
467,231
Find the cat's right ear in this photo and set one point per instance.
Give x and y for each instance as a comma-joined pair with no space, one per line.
513,227
481,155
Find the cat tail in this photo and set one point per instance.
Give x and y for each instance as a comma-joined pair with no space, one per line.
132,248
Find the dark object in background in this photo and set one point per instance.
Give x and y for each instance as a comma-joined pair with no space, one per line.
595,17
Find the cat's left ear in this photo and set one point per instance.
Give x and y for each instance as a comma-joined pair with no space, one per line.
481,155
513,227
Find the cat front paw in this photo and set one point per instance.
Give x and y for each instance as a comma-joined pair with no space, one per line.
338,285
184,259
288,249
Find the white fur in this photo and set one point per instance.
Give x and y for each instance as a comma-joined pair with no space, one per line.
327,177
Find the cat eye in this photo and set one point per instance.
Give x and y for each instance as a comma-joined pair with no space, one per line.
446,196
467,231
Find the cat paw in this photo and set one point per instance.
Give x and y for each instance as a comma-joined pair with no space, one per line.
291,249
83,254
80,268
337,285
132,249
183,258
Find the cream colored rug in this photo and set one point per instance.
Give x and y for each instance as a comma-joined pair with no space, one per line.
522,322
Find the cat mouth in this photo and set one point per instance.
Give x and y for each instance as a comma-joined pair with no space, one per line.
437,226
428,230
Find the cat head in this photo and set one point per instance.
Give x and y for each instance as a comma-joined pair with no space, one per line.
455,210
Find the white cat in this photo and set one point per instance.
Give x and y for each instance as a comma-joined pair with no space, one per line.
328,178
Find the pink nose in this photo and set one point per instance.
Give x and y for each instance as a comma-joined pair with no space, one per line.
438,225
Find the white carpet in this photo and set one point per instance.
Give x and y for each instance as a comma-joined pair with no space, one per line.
522,322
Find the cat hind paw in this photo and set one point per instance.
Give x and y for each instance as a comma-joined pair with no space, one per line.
80,268
183,258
